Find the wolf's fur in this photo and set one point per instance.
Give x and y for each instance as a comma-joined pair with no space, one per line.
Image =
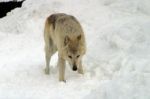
63,33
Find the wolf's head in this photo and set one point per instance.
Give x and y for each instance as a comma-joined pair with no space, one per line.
74,50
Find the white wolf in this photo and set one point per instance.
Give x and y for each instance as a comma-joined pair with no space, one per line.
63,33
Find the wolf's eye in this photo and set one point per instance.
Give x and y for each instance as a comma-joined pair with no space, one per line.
70,56
78,56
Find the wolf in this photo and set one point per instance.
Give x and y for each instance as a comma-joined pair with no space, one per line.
63,33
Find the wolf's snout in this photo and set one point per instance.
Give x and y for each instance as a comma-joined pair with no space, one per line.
74,68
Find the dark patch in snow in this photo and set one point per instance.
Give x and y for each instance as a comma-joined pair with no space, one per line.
8,6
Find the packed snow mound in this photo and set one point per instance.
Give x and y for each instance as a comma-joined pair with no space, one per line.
117,59
128,6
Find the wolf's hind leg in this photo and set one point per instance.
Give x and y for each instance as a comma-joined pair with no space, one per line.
47,57
50,49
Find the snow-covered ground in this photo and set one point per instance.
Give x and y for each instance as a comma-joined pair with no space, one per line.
117,63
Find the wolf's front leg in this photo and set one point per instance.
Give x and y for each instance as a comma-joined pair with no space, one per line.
61,64
80,69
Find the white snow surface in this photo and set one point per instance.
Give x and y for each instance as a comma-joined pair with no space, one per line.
117,62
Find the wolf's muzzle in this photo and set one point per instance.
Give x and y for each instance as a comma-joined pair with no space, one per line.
74,68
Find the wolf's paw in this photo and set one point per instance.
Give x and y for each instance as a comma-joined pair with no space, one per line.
81,72
62,80
46,71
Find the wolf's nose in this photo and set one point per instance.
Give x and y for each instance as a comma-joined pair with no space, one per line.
74,68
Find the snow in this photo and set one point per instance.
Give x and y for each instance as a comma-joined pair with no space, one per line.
118,52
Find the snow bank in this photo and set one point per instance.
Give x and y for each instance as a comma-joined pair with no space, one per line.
116,63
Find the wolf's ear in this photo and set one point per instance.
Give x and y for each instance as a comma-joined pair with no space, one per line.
79,37
66,41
